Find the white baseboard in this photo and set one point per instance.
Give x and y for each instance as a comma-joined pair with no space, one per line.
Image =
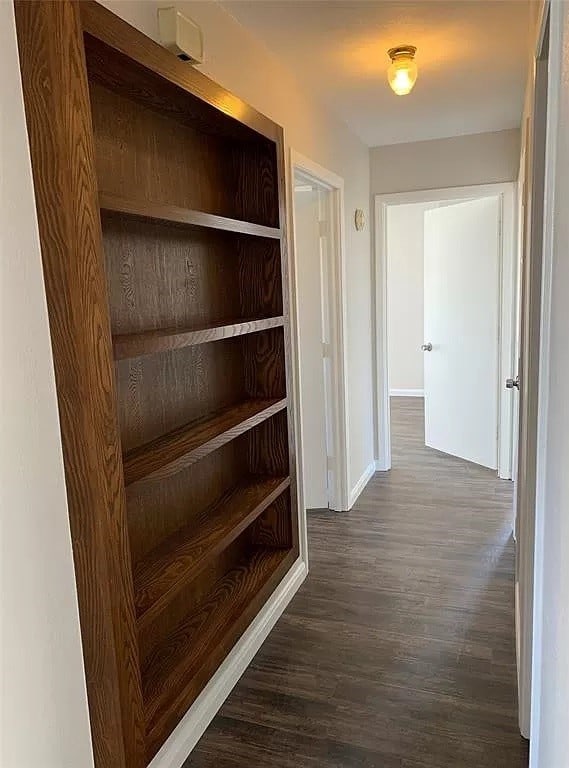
406,393
361,484
188,732
381,467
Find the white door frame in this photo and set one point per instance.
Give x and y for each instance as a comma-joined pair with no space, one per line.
336,301
507,193
535,579
531,312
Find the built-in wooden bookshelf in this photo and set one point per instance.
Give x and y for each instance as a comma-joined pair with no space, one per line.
162,219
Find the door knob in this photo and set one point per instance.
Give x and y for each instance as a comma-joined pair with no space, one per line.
511,383
427,347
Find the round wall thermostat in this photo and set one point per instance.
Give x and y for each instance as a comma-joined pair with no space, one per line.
359,219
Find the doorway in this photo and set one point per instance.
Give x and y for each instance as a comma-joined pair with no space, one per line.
434,288
312,221
318,258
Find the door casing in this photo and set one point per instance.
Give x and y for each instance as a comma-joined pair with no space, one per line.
532,252
507,193
337,310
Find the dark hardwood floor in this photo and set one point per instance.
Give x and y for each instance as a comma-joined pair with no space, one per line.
398,651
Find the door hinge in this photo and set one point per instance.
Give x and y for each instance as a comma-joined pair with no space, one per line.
325,349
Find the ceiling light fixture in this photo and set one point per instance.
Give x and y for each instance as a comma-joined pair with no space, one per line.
402,72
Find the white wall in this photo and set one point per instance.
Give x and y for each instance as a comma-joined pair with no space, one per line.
312,396
483,158
550,692
44,708
239,62
405,295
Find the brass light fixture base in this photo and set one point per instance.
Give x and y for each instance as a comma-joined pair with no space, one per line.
401,50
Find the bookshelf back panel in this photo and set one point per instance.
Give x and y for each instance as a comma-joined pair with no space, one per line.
162,275
158,393
273,529
269,448
161,392
143,154
158,508
190,597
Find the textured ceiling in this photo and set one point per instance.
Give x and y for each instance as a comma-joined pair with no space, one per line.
472,59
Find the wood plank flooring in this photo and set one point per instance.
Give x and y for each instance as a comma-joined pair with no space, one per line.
398,651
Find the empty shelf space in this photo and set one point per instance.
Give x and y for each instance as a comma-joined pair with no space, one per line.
150,342
173,213
175,672
184,446
185,554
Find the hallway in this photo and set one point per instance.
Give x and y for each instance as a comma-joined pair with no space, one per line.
398,651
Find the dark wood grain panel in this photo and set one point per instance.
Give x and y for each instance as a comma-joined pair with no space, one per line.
181,557
164,276
257,197
175,672
259,278
146,71
184,446
150,342
53,77
161,392
150,209
273,529
158,509
268,449
264,364
182,169
190,598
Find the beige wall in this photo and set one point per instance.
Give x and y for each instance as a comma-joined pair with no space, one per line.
482,158
236,60
44,719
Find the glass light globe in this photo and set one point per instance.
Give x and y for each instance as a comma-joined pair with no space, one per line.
402,72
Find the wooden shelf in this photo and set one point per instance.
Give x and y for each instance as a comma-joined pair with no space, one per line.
184,446
175,673
150,210
150,342
185,554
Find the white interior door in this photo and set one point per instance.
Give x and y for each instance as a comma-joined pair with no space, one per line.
462,272
310,280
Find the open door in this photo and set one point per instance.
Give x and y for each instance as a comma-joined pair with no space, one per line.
528,377
308,245
462,274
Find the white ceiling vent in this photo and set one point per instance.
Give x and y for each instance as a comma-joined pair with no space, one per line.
181,35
